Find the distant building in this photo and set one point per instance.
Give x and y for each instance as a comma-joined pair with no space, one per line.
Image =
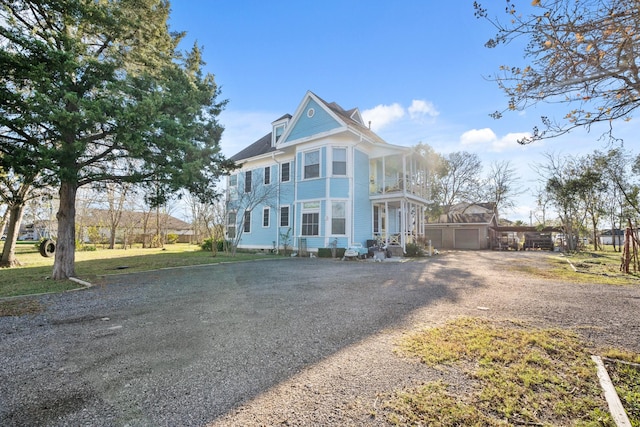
133,227
466,226
608,237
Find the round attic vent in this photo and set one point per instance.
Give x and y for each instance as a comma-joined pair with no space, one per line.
310,112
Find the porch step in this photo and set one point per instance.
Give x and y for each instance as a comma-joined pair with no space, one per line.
396,251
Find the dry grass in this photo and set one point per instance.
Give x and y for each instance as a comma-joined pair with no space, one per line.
516,375
583,267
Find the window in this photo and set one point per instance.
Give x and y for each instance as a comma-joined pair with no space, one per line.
233,180
279,131
247,222
312,164
338,218
231,225
285,171
267,175
310,224
311,219
265,217
247,182
339,161
284,216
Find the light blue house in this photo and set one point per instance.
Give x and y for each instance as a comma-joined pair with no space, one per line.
323,178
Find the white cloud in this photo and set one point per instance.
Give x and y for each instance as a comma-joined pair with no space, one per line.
383,115
487,140
478,136
420,108
510,140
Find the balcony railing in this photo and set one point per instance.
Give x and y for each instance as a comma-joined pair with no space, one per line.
395,186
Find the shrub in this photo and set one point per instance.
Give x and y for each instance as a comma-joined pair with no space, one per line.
206,245
326,252
413,250
172,238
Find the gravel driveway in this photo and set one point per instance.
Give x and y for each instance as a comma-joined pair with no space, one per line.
289,341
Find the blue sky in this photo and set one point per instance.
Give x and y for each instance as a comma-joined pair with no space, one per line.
417,69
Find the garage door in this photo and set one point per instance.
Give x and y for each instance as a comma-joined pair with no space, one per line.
467,238
435,235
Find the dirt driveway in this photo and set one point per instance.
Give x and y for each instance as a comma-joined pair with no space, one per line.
291,341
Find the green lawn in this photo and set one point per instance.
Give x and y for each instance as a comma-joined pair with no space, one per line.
32,276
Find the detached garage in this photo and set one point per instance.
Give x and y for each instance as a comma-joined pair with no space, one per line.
468,226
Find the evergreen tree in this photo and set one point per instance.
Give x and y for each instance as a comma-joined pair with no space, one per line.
96,91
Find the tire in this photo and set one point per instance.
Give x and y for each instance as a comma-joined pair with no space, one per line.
47,248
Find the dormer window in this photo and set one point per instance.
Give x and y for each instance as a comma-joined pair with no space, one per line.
278,131
278,128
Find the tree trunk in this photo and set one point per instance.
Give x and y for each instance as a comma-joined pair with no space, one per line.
9,251
64,264
3,221
112,237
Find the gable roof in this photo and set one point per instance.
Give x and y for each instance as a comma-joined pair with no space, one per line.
351,119
460,214
468,218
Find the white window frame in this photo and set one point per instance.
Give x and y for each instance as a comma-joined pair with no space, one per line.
344,218
278,131
304,163
333,161
287,216
289,173
266,175
266,211
310,208
245,222
248,174
232,224
233,180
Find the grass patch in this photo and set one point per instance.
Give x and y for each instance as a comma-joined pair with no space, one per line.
592,267
20,307
32,276
517,375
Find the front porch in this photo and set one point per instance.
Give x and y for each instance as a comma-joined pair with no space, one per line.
397,223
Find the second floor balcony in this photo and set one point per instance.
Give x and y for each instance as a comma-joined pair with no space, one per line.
398,175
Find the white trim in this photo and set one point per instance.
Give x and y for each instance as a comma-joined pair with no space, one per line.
268,209
288,216
280,171
346,160
304,165
264,175
244,214
346,217
304,105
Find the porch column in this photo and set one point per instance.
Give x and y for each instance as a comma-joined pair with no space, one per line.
386,223
403,224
